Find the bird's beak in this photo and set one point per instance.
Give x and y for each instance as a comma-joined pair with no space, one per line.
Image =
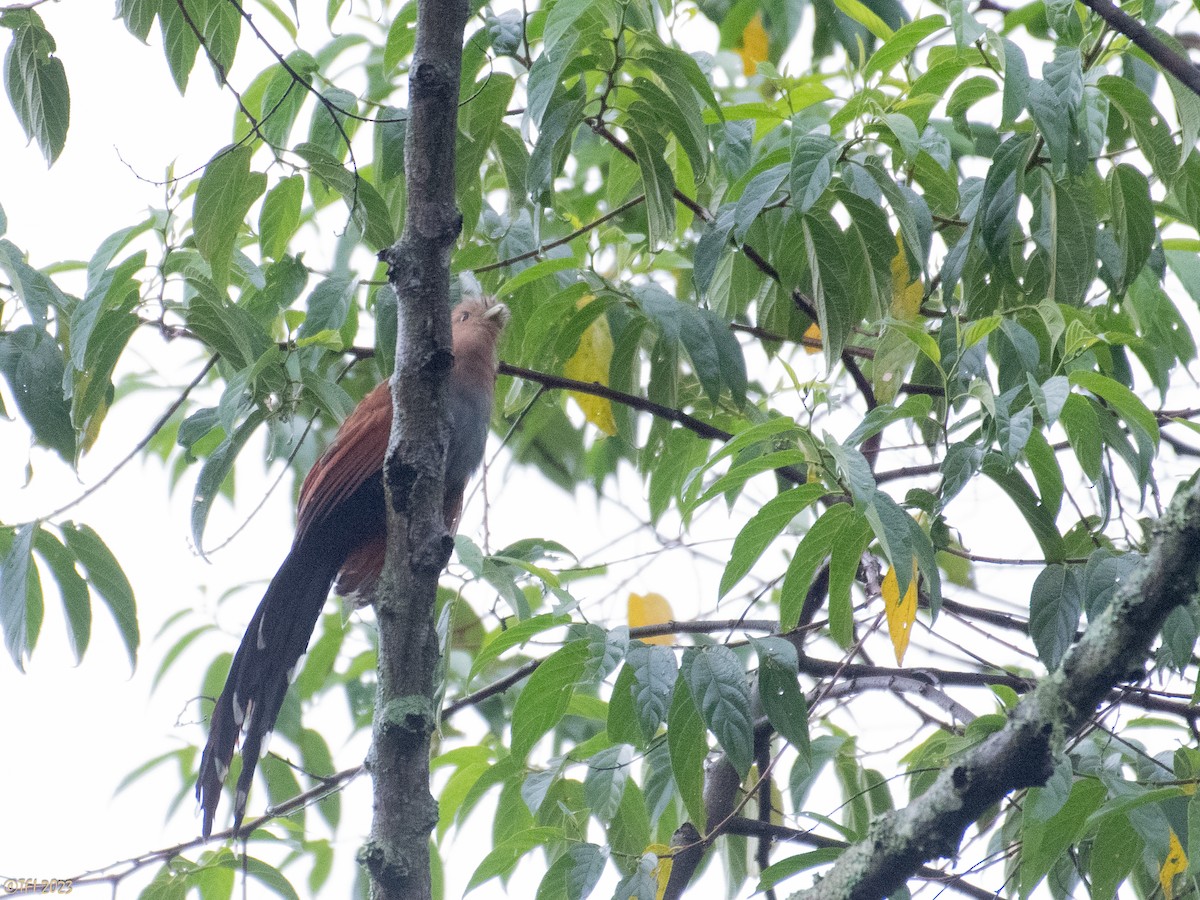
499,312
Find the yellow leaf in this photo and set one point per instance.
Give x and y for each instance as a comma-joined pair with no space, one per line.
591,363
900,613
755,45
662,872
651,609
1176,864
906,290
812,338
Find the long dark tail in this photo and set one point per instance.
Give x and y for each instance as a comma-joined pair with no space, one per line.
274,641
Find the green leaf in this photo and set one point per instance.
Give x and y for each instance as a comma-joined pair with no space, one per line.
902,43
1082,425
562,21
262,872
391,127
553,143
715,353
1054,607
220,26
968,92
216,468
658,184
92,382
280,216
904,130
785,868
106,578
227,328
1016,82
113,289
622,722
764,526
318,761
837,301
997,215
1104,573
545,697
223,197
604,784
1030,506
33,365
332,126
367,208
283,97
1050,397
718,685
654,673
1042,843
841,535
853,470
760,189
711,249
138,16
1149,127
543,268
573,875
891,526
504,857
959,467
18,614
36,291
328,305
1133,227
1064,75
813,158
688,747
36,82
179,42
865,16
780,694
1116,849
1046,471
1123,401
966,29
72,589
775,429
917,406
513,636
680,112
1073,253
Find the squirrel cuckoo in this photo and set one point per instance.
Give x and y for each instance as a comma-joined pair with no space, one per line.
341,535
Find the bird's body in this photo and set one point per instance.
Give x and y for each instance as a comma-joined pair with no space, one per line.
340,535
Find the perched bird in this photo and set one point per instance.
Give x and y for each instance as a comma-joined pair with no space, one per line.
341,534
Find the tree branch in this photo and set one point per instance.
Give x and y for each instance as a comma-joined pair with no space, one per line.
1143,37
1022,754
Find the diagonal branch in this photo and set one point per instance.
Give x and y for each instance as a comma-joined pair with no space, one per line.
1022,754
1179,66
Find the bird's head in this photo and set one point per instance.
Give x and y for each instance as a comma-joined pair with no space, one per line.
477,323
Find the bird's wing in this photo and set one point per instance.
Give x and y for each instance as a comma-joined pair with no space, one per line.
355,456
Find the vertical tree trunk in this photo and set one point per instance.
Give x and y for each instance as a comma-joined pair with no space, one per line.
397,854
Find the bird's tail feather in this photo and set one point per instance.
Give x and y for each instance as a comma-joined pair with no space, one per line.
275,639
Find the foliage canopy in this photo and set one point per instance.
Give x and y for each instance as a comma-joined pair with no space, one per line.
987,222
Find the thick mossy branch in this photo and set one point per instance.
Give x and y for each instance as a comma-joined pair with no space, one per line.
1113,649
